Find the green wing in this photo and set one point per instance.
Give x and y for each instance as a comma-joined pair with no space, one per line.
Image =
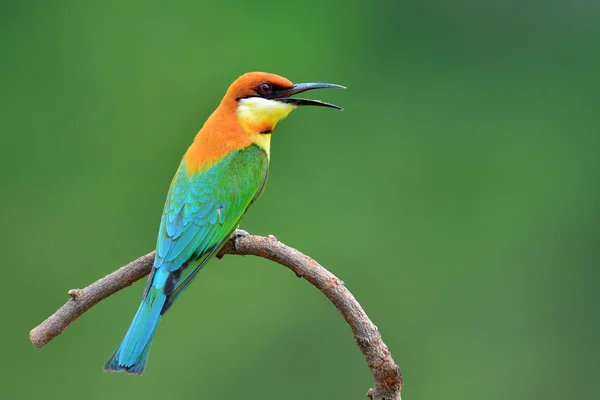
200,214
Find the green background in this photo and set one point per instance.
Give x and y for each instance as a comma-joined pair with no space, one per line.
457,195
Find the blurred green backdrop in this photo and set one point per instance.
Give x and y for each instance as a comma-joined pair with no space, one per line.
457,195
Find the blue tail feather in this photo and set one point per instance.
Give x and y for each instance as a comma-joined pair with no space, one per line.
132,354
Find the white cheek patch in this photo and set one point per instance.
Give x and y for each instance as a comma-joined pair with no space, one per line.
256,110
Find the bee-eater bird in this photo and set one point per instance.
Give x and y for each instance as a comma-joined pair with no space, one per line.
222,173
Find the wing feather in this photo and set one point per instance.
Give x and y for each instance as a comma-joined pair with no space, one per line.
201,212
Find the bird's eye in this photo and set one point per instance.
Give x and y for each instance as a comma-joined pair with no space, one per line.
264,88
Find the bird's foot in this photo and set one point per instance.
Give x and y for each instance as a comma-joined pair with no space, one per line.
240,232
237,235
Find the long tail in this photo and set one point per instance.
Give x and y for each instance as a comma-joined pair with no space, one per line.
132,354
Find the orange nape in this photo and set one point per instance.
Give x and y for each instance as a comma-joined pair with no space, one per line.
238,121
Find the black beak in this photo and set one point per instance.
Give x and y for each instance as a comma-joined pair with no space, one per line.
283,95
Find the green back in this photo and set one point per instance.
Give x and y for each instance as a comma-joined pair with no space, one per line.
200,214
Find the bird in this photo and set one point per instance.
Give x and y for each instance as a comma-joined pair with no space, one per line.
223,172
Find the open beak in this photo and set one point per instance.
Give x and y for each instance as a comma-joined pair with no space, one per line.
284,95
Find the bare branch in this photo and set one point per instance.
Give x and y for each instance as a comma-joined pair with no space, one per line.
386,374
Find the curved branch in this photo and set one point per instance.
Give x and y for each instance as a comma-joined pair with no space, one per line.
386,374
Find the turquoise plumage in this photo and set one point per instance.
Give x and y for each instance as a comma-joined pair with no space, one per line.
200,214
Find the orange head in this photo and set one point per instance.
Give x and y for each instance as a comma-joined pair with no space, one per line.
247,115
262,99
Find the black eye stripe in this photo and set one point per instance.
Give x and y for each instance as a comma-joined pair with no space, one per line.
271,93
